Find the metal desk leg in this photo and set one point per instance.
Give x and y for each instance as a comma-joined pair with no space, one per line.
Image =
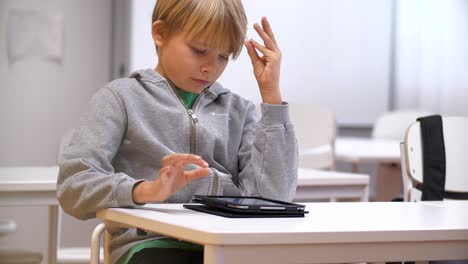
53,234
365,195
354,167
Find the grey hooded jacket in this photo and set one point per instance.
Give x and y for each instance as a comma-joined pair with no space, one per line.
131,125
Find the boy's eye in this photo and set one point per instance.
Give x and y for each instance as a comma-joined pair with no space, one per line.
224,57
199,51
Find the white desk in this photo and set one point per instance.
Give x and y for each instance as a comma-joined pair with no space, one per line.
366,150
331,233
331,185
384,153
31,186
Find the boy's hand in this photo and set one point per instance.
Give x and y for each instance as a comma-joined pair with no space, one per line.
172,178
267,67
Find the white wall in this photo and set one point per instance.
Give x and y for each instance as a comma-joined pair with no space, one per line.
335,53
432,56
40,99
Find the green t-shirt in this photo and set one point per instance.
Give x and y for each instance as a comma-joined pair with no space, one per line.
159,243
188,97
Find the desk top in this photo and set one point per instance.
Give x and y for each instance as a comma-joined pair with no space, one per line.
367,150
28,178
326,223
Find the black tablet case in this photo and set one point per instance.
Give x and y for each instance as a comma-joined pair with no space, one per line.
230,214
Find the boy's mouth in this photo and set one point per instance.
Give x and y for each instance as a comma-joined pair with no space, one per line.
201,82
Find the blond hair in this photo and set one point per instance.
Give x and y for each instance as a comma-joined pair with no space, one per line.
222,22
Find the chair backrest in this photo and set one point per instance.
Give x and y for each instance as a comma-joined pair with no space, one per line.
455,140
392,125
407,185
315,131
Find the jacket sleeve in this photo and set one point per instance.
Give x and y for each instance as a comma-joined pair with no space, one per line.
86,180
268,156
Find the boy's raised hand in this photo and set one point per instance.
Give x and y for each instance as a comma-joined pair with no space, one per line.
172,178
267,67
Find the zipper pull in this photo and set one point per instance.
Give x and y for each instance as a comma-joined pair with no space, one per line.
193,115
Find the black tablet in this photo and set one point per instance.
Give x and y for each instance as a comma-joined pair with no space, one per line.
248,204
232,214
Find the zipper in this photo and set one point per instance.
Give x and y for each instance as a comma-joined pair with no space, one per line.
214,190
193,130
193,119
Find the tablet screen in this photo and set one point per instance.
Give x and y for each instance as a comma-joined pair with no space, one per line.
247,201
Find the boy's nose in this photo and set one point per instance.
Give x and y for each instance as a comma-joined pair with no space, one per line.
209,65
206,68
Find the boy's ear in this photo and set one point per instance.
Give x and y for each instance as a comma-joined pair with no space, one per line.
159,32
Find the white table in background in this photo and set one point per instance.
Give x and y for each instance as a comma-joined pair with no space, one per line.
384,153
366,150
330,233
32,186
315,184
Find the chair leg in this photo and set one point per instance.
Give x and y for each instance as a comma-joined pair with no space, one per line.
95,243
107,239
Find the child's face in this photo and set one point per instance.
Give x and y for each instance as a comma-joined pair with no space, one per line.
191,65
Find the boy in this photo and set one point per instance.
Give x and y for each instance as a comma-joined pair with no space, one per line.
166,134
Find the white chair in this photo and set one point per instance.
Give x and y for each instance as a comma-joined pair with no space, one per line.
455,142
100,254
77,254
315,131
391,126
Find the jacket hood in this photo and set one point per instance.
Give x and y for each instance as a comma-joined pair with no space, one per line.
152,77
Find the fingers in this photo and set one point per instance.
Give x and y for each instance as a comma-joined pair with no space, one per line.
164,171
267,28
252,52
172,175
182,160
269,49
269,43
266,34
260,47
196,174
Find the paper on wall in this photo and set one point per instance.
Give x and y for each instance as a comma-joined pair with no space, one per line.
32,34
